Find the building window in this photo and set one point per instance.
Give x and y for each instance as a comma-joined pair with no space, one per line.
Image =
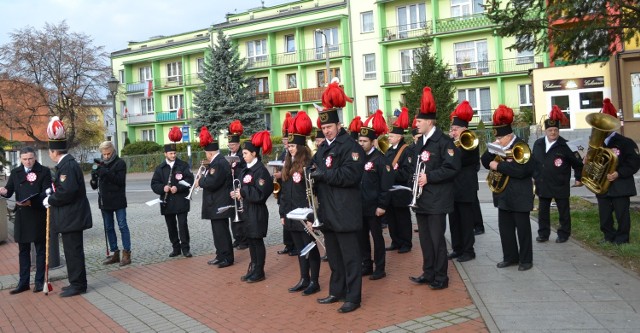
332,40
262,87
200,65
472,55
149,135
121,75
176,102
526,94
174,71
256,51
267,120
591,100
335,72
480,101
366,21
524,56
408,58
146,106
411,17
145,74
290,43
372,104
466,7
292,81
369,66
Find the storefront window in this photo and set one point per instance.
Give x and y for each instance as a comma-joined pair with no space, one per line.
591,100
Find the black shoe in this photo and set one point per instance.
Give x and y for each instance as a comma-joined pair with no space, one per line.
504,264
301,285
561,239
377,275
329,299
250,270
188,254
284,251
38,288
294,253
174,253
72,292
19,289
213,261
453,255
466,257
225,263
540,239
438,285
255,278
420,279
477,232
404,249
313,288
525,267
391,248
348,307
242,247
367,271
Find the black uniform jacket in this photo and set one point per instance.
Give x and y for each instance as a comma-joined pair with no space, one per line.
339,207
293,194
216,185
466,182
70,210
442,161
402,172
552,172
628,164
112,185
175,203
30,225
518,194
376,181
256,185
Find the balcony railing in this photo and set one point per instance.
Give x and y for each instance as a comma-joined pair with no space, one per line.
492,67
312,94
463,23
306,55
286,96
397,77
166,82
136,87
141,118
171,115
406,31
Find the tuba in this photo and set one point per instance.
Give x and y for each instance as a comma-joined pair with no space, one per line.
497,181
599,161
468,140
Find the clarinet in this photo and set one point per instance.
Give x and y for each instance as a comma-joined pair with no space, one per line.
166,194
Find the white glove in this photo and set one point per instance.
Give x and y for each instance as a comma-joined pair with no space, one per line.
48,191
45,202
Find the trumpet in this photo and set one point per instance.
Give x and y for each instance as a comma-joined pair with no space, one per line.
195,187
468,140
311,198
417,190
315,236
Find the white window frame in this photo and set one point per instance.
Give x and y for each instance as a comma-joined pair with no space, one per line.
287,39
369,73
145,74
528,94
411,17
200,65
149,135
332,40
373,104
146,106
364,27
477,102
176,102
407,68
256,51
462,8
174,71
525,56
474,58
121,75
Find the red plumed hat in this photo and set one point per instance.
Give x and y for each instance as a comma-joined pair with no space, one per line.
235,131
333,98
556,118
260,140
175,135
402,123
462,114
377,123
502,119
608,108
414,126
285,123
299,128
206,140
427,105
56,133
354,127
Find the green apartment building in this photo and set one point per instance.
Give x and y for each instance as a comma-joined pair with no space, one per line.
368,45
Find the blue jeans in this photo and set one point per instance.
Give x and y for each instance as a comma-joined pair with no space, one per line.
121,216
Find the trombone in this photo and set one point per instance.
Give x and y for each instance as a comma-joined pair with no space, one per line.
195,187
416,191
311,198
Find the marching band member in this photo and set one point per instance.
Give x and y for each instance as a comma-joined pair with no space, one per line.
174,205
216,183
516,201
237,229
293,194
441,164
374,189
287,240
256,186
354,128
461,221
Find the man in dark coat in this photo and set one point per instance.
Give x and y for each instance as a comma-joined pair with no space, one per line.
339,167
240,241
441,163
109,176
29,182
70,213
553,163
216,184
166,182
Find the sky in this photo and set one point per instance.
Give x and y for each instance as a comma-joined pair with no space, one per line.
113,23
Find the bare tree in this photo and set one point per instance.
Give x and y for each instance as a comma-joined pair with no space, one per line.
65,71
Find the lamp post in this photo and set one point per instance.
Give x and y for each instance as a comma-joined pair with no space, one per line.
113,89
326,53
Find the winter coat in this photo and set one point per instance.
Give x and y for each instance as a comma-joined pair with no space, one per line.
552,170
216,185
111,184
293,194
376,181
174,203
628,164
402,172
256,185
466,182
70,210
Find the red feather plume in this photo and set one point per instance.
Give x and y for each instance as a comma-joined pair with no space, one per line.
503,115
262,139
355,125
557,115
318,123
334,96
287,122
427,103
205,137
175,134
377,122
236,128
608,108
464,111
403,119
301,124
414,124
55,129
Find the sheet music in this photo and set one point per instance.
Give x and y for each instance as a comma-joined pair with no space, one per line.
276,163
153,202
299,214
399,188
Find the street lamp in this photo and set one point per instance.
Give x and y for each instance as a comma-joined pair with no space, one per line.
326,52
113,89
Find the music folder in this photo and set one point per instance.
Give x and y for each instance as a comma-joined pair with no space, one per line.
27,198
300,214
276,163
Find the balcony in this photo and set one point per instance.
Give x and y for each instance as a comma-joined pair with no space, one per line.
286,96
312,94
493,67
459,23
136,87
141,118
306,55
407,31
171,115
398,77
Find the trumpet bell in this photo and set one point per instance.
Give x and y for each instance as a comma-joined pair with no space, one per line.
602,124
521,153
468,140
383,144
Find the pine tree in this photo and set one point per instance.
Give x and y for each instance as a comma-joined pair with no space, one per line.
228,93
430,72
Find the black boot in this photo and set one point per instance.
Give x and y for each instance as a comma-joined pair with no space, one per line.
250,270
313,288
302,284
257,275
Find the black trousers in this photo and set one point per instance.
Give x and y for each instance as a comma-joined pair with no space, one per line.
178,231
478,222
73,243
222,239
607,206
431,230
544,220
24,258
372,225
344,257
239,238
399,221
287,239
461,225
509,224
309,264
258,254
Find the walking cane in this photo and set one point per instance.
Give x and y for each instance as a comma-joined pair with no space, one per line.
47,285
